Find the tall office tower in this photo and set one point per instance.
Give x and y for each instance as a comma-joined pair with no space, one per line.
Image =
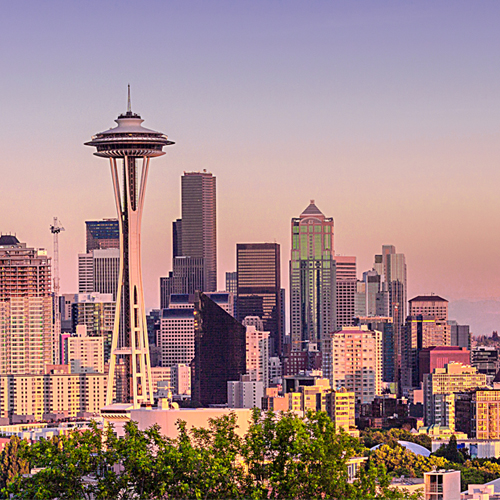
220,352
426,326
102,234
195,235
371,298
352,359
460,334
259,287
312,279
26,328
346,290
391,266
232,286
125,146
98,271
166,289
382,324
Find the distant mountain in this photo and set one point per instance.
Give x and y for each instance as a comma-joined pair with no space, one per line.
483,316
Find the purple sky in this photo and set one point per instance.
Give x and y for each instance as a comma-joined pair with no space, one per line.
386,113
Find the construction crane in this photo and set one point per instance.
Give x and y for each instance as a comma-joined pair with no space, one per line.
55,229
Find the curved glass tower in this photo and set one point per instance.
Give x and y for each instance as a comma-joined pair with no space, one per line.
129,147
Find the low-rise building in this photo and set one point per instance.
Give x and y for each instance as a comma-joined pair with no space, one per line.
442,485
440,388
66,394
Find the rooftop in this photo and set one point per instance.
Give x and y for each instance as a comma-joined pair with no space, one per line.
7,240
312,209
427,298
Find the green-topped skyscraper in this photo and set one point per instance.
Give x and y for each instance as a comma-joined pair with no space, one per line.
312,279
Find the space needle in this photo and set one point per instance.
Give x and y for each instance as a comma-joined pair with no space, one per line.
129,147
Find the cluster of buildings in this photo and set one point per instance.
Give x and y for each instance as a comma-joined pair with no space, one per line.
348,338
355,348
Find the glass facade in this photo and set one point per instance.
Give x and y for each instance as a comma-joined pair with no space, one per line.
102,234
259,287
312,279
220,351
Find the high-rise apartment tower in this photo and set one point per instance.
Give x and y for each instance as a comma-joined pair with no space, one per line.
26,328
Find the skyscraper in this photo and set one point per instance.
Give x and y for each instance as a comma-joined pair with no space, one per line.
194,239
391,266
346,290
426,326
312,279
130,142
195,235
26,329
259,287
101,234
220,351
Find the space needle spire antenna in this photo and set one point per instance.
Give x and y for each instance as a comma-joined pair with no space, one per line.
129,147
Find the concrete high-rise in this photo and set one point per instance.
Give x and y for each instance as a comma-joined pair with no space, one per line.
125,146
352,359
26,327
312,279
346,285
426,326
259,287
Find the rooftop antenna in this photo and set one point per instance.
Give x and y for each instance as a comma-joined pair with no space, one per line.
129,105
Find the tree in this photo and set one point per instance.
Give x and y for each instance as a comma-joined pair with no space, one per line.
281,456
11,463
450,451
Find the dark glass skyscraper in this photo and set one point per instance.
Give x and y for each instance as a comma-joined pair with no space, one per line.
220,352
259,287
102,234
194,239
196,233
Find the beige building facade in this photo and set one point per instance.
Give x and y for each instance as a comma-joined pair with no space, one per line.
352,360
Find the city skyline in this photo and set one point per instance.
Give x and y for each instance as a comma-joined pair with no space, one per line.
395,135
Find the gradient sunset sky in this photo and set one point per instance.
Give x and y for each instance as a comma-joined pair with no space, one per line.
386,113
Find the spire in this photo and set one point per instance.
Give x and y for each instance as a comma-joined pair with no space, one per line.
129,105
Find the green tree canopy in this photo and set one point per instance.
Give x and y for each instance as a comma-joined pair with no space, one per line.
281,456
